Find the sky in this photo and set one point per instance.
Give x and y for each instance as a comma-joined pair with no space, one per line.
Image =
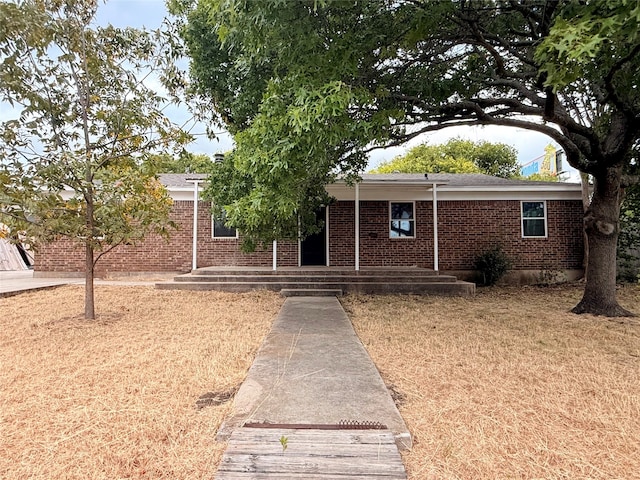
150,13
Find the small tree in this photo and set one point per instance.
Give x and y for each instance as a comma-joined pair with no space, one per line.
70,160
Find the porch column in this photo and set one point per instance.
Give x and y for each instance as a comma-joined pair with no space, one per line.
357,209
275,254
327,236
434,191
194,260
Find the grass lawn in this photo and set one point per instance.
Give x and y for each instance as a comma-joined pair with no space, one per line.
504,385
507,385
116,398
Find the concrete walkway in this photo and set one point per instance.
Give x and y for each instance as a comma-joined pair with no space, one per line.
312,372
312,382
19,281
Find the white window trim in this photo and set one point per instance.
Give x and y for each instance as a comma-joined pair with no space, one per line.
213,231
544,218
389,219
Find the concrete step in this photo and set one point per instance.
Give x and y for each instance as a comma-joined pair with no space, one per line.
314,277
322,271
457,288
310,292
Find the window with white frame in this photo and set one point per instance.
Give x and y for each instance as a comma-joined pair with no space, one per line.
534,219
402,220
220,230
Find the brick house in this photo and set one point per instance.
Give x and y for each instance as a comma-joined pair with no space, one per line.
439,222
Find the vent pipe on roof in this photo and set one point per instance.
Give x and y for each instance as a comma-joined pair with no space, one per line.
218,157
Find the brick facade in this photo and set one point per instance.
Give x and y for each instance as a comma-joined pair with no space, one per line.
465,228
156,254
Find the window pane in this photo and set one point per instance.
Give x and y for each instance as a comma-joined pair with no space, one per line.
534,227
221,230
402,228
533,209
401,210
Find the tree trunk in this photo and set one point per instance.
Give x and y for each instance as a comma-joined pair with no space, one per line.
586,200
602,227
89,304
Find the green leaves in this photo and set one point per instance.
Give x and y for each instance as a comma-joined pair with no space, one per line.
456,156
591,38
309,88
85,118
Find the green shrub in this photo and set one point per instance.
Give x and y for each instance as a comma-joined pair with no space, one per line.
493,263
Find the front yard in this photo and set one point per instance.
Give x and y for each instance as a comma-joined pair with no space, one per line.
504,385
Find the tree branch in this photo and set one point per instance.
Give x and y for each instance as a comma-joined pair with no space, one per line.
608,81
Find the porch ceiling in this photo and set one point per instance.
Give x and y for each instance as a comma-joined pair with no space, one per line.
385,190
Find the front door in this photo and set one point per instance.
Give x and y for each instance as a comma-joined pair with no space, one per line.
313,249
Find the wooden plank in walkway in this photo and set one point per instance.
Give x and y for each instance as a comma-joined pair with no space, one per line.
258,453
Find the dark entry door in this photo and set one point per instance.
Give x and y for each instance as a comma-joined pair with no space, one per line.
314,247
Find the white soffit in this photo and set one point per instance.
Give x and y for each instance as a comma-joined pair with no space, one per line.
422,190
541,192
181,194
455,193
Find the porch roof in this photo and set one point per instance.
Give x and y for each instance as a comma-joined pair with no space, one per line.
416,186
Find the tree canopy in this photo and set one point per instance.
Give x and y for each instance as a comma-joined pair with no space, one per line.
71,157
184,162
456,156
310,87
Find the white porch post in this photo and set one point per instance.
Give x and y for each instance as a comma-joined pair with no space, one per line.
357,209
327,235
275,254
194,262
435,227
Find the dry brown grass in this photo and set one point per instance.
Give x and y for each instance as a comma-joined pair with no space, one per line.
116,398
507,385
504,385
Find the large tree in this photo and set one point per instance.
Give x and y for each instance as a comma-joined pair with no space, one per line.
309,87
456,156
82,120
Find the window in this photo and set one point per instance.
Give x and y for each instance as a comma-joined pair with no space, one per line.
534,219
220,230
402,222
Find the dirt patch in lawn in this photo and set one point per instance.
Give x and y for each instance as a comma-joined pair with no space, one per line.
508,384
123,396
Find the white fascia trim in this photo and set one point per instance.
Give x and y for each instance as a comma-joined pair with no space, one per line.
182,194
413,192
477,193
176,193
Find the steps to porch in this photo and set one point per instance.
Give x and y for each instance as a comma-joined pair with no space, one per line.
314,281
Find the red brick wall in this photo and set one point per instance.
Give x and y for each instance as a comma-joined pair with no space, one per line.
465,228
155,254
342,234
227,251
376,248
